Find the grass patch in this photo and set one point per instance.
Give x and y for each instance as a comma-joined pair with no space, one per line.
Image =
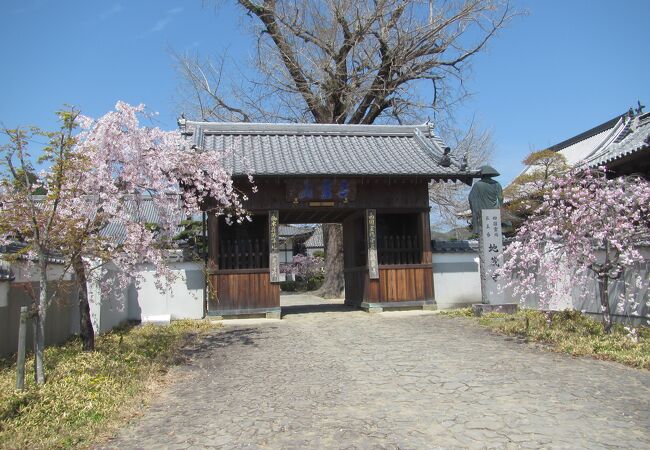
87,395
459,312
570,332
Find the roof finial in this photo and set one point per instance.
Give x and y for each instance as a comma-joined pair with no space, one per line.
429,125
445,161
639,109
465,162
182,121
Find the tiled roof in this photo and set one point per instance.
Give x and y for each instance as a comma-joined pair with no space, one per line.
322,149
16,250
577,148
607,142
144,211
290,230
634,137
454,246
316,239
578,151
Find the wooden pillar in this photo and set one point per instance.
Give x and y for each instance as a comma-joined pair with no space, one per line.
213,241
371,235
274,256
425,238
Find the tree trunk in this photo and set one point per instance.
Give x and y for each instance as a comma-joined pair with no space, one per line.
85,323
603,282
334,280
39,322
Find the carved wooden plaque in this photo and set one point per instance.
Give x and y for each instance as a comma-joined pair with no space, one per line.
322,190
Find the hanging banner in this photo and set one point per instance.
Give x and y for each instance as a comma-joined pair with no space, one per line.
490,255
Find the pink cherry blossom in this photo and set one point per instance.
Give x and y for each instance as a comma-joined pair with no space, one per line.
588,228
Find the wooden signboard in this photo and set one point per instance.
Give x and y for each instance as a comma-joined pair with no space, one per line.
274,256
371,232
321,191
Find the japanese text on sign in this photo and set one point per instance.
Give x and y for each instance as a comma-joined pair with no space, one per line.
491,248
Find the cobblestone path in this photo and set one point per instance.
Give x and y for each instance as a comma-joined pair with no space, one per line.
348,379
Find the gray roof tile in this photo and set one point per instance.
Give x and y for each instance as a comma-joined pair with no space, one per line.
144,210
319,149
316,239
634,137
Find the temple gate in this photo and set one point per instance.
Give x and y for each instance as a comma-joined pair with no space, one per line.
372,179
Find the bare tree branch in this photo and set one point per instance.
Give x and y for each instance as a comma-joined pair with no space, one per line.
347,61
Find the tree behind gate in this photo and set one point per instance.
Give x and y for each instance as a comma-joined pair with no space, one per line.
348,62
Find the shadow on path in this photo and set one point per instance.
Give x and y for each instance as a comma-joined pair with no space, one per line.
237,336
316,308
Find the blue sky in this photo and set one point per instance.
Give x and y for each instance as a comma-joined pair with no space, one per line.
563,68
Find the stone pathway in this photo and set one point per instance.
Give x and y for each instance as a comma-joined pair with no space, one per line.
335,379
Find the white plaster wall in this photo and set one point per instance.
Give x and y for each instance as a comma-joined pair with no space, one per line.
4,294
635,305
107,312
114,312
456,280
183,301
24,272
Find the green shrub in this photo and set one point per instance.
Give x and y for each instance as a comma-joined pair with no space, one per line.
288,286
319,254
315,282
459,312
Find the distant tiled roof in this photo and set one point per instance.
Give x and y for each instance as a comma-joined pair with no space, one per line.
576,148
290,230
316,239
634,137
16,250
144,211
618,137
454,246
321,149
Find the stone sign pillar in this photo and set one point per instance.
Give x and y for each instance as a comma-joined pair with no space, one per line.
490,255
485,200
274,256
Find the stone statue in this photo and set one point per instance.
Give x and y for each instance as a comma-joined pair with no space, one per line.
485,194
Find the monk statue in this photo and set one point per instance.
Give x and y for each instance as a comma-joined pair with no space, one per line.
485,194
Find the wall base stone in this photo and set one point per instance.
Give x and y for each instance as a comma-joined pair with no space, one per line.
506,308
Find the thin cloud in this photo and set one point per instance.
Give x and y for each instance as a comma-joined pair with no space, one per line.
162,23
115,9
